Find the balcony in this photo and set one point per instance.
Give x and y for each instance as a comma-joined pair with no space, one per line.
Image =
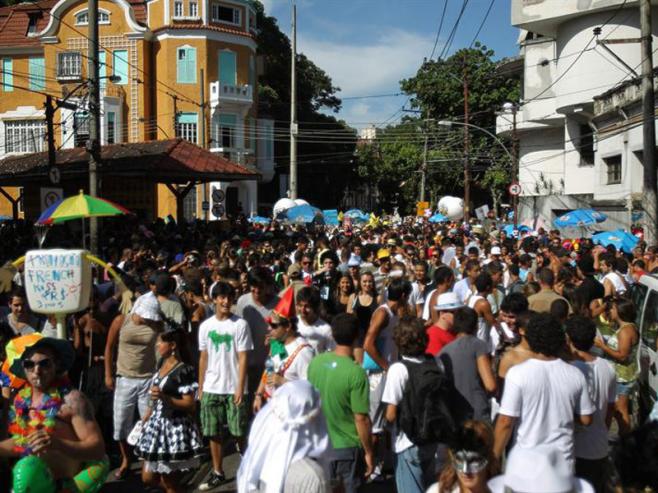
230,93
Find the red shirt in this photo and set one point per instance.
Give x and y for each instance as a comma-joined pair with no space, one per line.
438,338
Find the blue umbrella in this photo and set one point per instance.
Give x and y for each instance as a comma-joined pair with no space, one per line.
580,218
437,218
304,214
357,215
622,240
509,229
259,220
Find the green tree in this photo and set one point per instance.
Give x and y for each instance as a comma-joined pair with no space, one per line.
325,144
437,92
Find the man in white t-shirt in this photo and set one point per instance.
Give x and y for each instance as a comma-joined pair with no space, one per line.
309,324
544,397
592,441
224,341
465,288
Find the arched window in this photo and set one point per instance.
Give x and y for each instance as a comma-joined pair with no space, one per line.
82,17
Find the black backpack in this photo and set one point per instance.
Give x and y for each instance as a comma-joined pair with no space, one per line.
424,414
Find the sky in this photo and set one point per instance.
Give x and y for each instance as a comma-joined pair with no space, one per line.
368,46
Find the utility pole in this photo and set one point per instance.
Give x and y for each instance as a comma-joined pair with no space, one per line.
50,114
648,125
93,144
293,107
515,164
203,139
423,170
467,164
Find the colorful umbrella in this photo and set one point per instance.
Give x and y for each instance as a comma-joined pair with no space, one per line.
509,229
438,218
580,218
622,240
357,215
304,214
80,207
259,220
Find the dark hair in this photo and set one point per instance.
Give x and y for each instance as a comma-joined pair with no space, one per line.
465,321
559,309
581,331
625,309
410,336
17,292
514,303
164,284
514,269
398,288
473,251
222,288
545,335
309,295
178,337
483,282
443,274
636,458
471,264
345,329
586,264
546,276
494,267
608,259
260,277
523,319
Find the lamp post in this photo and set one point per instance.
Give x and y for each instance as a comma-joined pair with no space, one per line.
449,123
513,108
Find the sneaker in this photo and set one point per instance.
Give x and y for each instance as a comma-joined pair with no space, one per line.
214,480
377,475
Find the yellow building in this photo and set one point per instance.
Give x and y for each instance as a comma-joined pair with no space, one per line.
168,55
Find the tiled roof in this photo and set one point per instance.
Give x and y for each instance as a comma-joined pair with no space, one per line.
166,161
199,25
14,21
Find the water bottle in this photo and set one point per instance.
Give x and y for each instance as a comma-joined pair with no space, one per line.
269,366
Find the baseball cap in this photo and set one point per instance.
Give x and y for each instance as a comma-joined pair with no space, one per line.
495,250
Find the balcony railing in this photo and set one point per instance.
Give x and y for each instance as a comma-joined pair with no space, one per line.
220,91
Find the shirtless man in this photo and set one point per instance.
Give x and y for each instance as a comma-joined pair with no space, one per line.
64,450
519,353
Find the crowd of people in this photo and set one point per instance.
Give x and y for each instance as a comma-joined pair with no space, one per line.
451,357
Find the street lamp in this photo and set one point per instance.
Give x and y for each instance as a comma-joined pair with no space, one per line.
467,170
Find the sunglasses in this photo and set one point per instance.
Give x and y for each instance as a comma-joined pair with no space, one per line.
44,364
276,325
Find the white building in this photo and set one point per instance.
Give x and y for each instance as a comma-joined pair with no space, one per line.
580,144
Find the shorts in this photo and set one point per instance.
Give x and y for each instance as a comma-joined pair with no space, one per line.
129,394
218,412
625,388
377,381
347,467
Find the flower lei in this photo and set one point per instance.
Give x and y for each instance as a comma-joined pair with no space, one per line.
26,419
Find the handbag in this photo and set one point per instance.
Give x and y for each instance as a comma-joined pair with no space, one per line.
135,433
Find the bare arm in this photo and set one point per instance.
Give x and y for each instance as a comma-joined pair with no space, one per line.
610,412
625,343
486,373
203,366
379,319
242,376
483,307
350,303
391,413
364,428
110,345
585,420
502,434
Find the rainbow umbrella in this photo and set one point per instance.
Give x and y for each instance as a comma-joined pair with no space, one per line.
79,207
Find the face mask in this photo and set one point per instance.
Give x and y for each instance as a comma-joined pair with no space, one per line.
468,462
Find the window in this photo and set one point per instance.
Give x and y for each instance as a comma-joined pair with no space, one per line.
186,125
226,130
69,65
227,68
586,145
7,75
120,65
223,13
110,127
80,129
194,9
82,18
32,22
25,135
102,70
613,168
189,205
37,69
186,66
178,9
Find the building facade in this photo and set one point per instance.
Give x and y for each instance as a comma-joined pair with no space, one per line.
569,156
182,68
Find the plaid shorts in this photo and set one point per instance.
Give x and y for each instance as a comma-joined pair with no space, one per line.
129,393
218,411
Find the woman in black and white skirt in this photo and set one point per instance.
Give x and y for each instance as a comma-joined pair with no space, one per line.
170,441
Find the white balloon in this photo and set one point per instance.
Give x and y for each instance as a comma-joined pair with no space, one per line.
300,202
451,207
282,205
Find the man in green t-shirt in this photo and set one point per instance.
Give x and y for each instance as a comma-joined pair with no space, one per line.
343,386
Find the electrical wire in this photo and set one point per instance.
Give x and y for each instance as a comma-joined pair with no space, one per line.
486,16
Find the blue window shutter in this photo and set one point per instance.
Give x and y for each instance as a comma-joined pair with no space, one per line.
186,65
191,65
181,65
7,75
102,69
187,118
120,65
227,68
37,71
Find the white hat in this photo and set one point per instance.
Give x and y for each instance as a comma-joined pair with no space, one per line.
495,250
447,302
148,307
541,469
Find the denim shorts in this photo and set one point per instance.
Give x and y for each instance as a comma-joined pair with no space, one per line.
625,388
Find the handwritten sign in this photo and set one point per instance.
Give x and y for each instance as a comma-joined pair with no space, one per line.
57,281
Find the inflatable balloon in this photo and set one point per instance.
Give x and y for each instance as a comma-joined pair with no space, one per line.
31,475
451,207
300,202
282,205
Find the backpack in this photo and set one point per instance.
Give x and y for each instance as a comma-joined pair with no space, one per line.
424,414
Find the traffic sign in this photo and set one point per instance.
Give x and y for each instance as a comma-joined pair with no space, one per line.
54,175
218,210
514,189
217,195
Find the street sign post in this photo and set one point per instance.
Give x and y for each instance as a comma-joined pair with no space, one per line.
515,190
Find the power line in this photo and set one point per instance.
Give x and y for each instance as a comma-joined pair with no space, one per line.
486,16
438,31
